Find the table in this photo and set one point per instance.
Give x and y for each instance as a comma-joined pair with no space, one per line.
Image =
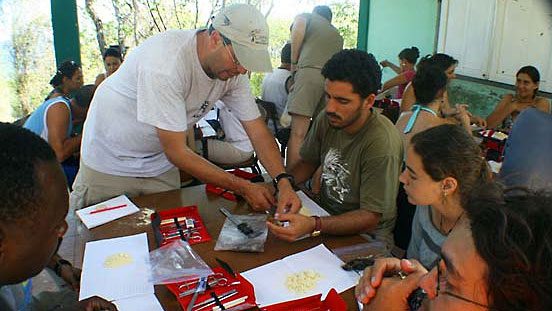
208,207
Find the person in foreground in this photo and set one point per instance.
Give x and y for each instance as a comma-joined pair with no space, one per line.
443,167
360,153
32,218
500,258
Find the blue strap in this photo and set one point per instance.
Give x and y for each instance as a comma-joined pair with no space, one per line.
28,291
415,111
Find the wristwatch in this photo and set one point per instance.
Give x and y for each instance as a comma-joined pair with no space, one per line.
276,179
317,226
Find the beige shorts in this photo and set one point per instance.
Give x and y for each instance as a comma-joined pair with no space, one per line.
91,186
307,96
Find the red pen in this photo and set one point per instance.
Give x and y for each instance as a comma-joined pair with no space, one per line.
107,209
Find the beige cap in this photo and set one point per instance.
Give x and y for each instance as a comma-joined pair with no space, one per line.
246,27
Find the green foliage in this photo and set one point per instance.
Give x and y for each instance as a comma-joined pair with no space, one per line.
256,81
345,19
32,61
92,63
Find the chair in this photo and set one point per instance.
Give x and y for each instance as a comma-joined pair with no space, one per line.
270,113
252,163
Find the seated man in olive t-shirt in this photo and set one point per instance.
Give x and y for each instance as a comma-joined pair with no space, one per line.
360,152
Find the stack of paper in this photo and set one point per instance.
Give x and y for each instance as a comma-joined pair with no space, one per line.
118,270
318,260
107,211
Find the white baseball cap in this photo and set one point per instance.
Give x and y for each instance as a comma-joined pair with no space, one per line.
246,27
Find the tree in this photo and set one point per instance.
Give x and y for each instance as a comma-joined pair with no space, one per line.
100,36
345,19
133,21
31,56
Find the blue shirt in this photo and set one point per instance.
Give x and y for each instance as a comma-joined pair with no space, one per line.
37,121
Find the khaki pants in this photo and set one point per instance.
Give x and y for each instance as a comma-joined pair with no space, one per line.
223,152
91,186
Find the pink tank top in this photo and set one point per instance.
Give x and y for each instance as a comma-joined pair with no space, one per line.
409,75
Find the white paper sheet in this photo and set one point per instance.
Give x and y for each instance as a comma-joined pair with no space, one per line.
310,208
139,303
128,280
271,290
94,220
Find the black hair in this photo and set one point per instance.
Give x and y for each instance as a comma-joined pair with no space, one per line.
324,11
533,73
440,60
83,96
66,69
429,80
449,151
285,56
356,67
513,236
113,52
20,153
411,55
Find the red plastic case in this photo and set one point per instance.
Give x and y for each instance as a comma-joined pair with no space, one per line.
161,231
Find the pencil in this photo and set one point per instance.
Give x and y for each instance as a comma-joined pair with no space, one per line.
107,209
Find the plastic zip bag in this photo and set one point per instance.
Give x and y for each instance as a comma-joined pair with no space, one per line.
232,239
176,262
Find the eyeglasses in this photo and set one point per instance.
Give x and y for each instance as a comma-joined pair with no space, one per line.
234,60
442,278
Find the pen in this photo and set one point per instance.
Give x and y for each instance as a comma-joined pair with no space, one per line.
232,303
107,209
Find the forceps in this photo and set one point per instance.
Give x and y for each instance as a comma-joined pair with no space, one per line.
216,279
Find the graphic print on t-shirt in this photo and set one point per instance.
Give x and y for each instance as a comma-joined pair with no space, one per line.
335,176
201,111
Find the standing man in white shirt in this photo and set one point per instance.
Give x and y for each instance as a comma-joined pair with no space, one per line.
274,84
134,137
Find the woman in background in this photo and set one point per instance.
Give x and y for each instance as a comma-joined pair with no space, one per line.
527,86
405,72
448,65
112,60
68,78
445,63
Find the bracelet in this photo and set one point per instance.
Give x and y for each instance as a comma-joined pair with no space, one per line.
317,226
59,264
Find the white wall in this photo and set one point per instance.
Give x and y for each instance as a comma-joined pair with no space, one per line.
492,39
